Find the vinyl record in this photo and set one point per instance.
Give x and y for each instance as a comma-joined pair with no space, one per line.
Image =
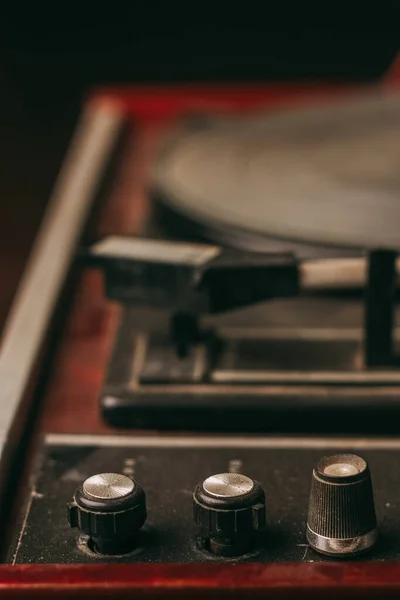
325,180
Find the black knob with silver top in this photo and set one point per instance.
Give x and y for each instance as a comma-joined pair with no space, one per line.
110,508
229,509
341,516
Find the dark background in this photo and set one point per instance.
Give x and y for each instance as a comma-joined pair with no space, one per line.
49,56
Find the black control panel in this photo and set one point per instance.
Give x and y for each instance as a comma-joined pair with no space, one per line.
197,499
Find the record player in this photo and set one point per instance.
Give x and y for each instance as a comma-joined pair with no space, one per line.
218,412
261,292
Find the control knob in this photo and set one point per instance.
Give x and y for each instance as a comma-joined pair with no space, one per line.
229,509
110,508
341,515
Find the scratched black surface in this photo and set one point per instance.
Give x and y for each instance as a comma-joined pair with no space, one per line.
168,475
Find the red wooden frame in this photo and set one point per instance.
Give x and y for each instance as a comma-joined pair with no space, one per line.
308,581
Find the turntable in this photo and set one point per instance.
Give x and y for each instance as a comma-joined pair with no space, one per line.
261,291
218,412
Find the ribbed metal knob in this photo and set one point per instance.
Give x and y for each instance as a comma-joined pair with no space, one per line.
341,514
229,509
110,508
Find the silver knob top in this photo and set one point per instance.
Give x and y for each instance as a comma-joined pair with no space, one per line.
228,485
108,486
341,469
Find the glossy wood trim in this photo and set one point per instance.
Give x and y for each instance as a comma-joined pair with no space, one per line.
71,403
309,580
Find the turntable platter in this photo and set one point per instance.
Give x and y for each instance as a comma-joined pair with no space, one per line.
327,175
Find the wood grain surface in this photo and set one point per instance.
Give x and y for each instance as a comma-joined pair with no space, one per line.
305,581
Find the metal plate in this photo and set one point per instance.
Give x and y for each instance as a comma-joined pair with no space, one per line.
168,469
294,366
